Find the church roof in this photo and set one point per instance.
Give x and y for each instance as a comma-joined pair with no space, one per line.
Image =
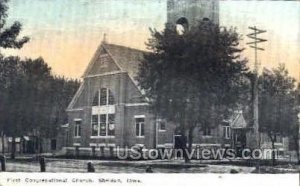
127,59
124,59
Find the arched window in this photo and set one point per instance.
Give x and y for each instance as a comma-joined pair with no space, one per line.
205,19
206,24
103,123
103,97
182,25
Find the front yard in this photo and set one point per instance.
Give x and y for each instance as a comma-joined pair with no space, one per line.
158,166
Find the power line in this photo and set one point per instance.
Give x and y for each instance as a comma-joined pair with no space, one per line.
254,44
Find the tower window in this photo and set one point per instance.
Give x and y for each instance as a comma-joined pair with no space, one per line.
182,25
205,19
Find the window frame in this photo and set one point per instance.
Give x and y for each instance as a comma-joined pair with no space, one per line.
226,132
278,139
141,126
101,123
207,131
159,122
109,98
106,96
96,99
182,25
106,126
77,127
95,123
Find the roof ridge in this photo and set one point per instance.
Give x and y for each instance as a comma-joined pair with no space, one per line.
127,47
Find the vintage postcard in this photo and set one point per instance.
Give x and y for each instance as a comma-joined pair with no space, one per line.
149,92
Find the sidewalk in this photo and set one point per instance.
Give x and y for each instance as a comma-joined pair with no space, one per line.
29,163
71,165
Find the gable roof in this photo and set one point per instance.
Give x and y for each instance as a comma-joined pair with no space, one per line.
128,59
237,120
125,58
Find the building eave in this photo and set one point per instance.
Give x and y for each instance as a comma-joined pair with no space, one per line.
105,74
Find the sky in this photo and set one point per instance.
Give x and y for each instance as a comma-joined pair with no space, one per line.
66,33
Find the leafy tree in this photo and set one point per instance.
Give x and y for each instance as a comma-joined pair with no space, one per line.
277,109
193,78
11,84
294,127
59,96
24,86
8,39
9,35
9,68
33,101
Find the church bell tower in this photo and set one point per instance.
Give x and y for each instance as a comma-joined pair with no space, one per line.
189,12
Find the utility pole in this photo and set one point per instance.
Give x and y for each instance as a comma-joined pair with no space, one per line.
254,44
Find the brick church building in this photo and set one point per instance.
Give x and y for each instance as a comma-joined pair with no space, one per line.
110,110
